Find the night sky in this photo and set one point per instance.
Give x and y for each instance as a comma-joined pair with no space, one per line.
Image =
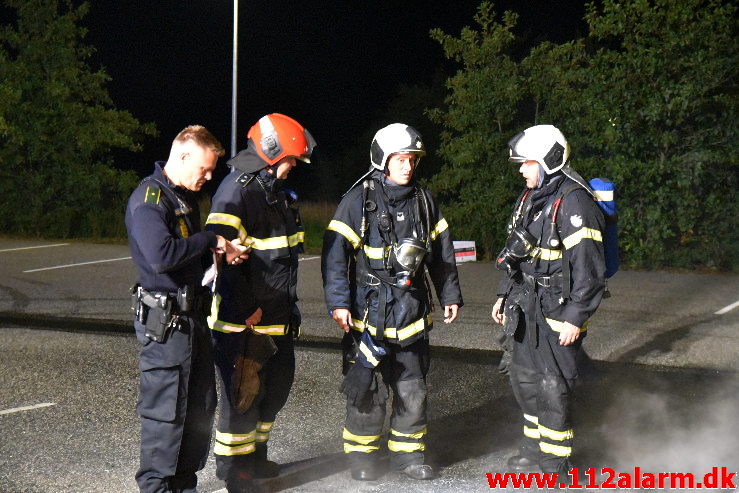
331,65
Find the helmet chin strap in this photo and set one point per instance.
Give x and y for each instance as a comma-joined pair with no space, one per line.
542,175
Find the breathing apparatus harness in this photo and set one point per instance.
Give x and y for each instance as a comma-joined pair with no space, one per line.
402,258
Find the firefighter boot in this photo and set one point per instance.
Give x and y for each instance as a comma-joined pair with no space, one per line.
242,483
522,463
263,467
365,469
420,472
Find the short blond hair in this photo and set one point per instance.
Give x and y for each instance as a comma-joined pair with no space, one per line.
202,137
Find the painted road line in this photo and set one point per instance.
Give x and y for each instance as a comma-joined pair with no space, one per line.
78,264
308,258
27,408
29,248
727,308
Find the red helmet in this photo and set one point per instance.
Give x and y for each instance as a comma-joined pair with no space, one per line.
276,136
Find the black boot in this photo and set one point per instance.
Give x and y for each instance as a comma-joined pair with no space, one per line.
419,472
522,463
242,483
263,467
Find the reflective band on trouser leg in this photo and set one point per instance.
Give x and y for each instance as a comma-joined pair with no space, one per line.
230,444
554,442
360,443
531,426
263,430
406,442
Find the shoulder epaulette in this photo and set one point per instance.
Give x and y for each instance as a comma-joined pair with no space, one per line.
153,194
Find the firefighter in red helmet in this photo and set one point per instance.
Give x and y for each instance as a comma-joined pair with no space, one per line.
254,317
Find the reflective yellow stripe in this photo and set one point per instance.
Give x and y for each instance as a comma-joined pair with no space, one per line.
360,448
392,332
581,234
262,437
531,432
603,195
440,227
276,242
416,436
220,449
235,438
265,427
368,354
531,418
271,330
557,450
394,446
227,220
547,254
375,252
557,326
362,439
554,434
220,325
344,230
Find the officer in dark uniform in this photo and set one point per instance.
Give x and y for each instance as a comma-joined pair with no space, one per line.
177,394
259,297
386,232
553,283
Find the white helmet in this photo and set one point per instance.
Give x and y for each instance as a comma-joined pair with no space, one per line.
395,138
542,143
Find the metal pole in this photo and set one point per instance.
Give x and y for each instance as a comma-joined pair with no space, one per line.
234,76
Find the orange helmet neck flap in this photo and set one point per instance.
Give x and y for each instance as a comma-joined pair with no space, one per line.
276,136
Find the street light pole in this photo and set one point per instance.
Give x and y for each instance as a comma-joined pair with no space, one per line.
234,76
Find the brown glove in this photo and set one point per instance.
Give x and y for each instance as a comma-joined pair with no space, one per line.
256,350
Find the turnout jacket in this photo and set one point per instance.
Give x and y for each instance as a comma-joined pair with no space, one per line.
408,312
253,206
164,234
538,282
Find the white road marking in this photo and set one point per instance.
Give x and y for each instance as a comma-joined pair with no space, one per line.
727,308
29,248
27,408
308,258
75,265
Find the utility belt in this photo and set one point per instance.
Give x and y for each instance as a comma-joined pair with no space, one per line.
553,281
160,311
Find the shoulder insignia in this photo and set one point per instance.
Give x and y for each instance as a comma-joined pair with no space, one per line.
152,195
576,220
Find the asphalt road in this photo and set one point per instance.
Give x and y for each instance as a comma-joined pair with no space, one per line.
661,392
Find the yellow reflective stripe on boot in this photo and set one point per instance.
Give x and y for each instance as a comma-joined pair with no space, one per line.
362,443
558,450
556,435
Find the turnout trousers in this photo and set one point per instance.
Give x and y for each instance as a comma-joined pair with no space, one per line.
542,377
404,371
241,437
176,405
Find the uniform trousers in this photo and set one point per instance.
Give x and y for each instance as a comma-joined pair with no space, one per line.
542,376
403,370
176,405
239,436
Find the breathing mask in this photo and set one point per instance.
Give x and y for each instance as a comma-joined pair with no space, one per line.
406,257
519,245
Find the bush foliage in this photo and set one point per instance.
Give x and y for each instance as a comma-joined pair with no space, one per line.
647,98
57,128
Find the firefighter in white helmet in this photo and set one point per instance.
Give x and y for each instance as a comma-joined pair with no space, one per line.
553,282
387,231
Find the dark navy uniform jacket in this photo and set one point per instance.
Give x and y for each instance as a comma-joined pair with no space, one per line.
252,205
580,226
408,313
167,246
